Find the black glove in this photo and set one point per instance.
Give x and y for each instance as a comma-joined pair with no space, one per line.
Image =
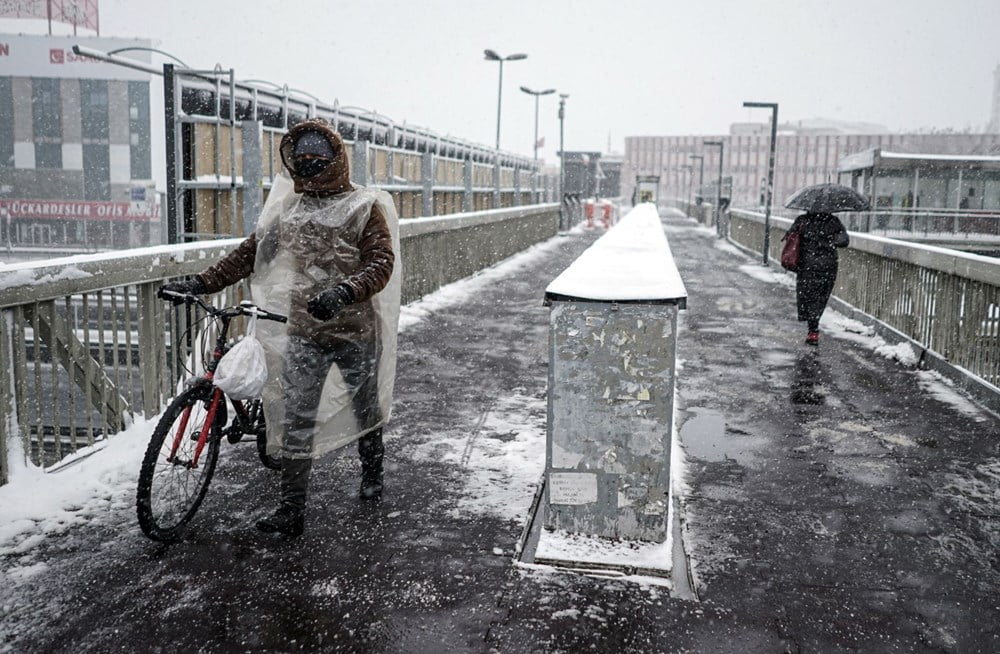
326,305
193,286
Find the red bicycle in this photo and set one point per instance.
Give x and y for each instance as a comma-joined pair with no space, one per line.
182,453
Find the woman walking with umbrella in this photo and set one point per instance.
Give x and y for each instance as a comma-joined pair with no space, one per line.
820,234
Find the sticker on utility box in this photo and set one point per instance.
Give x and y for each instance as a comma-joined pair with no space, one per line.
572,487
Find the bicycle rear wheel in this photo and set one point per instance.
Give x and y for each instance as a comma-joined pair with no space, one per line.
171,490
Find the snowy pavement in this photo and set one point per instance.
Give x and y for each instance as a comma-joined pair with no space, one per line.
836,500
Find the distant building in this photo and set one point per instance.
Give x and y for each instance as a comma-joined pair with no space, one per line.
582,173
75,159
806,153
893,180
611,167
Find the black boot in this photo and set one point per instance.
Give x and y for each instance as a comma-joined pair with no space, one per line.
289,517
371,449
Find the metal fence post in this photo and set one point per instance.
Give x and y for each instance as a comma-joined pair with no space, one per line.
151,346
467,182
517,187
496,184
427,184
8,409
173,152
359,167
253,173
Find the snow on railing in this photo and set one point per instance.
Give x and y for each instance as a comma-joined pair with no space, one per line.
944,300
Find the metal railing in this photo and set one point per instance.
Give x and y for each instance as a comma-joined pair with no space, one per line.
904,223
88,346
945,301
223,154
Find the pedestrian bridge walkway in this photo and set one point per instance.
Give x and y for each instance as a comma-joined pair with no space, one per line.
836,498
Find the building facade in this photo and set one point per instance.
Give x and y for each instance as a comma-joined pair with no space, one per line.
75,147
801,158
897,181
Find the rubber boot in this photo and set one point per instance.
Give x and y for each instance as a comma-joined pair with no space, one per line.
289,517
371,450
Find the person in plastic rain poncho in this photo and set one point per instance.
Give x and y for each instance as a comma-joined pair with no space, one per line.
323,254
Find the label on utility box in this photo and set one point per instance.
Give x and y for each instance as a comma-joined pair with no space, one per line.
572,487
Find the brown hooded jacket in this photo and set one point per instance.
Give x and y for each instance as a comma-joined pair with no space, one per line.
374,243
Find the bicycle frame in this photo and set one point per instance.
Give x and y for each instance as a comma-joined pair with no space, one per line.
225,316
217,395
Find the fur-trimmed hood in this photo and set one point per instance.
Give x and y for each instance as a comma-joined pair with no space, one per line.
336,178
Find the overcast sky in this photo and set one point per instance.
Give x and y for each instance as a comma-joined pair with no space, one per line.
630,67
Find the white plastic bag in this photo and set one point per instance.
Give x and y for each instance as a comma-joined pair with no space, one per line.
242,371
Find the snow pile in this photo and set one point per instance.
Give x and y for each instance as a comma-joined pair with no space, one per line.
565,546
769,275
726,246
36,504
943,389
902,352
631,262
500,459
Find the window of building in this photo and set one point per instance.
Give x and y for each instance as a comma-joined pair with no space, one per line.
6,125
96,172
48,155
94,110
139,135
46,109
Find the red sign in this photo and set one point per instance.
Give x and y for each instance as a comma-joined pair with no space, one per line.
21,209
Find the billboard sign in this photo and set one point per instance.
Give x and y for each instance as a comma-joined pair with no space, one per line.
25,55
25,209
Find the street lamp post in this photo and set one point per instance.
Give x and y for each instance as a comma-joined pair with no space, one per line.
690,171
536,94
718,189
773,106
491,55
701,170
562,163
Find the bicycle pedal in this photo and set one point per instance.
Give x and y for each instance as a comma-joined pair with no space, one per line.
234,435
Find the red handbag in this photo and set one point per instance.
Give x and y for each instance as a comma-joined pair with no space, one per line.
790,251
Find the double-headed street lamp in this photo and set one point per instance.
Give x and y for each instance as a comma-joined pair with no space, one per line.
718,189
773,106
491,55
536,94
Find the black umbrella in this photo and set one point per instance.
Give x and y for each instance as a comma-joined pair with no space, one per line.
827,198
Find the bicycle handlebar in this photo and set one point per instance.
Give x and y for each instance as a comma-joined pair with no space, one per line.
245,308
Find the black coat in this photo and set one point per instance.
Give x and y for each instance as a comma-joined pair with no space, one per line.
820,234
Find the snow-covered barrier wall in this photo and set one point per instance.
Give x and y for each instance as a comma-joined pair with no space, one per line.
945,302
612,356
86,344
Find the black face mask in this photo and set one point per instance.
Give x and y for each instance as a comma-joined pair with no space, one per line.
311,167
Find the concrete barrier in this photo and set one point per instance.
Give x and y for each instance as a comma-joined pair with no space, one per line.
613,337
438,251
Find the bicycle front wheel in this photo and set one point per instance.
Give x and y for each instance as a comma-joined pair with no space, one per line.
172,483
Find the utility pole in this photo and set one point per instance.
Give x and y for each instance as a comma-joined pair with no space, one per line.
562,164
773,106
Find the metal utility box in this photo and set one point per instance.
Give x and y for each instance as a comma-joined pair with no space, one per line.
612,357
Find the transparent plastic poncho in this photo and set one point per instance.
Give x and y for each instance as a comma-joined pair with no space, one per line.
329,382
